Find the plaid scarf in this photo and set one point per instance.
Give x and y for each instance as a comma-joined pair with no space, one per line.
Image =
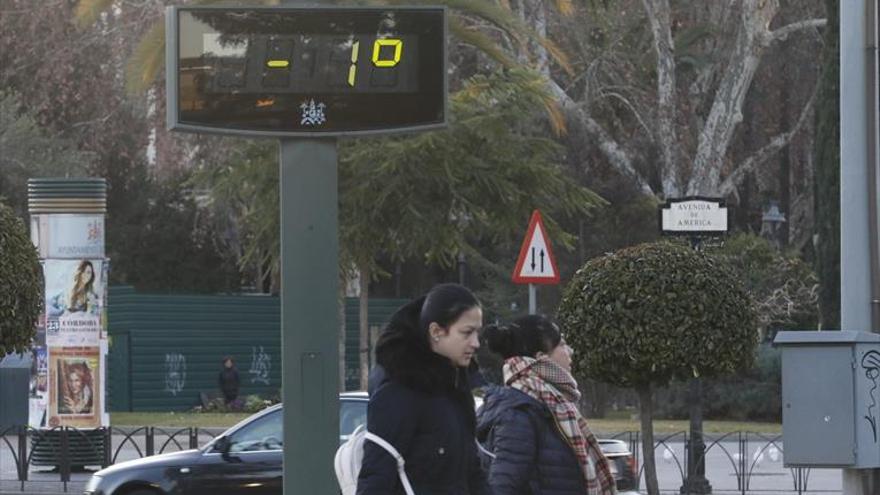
545,381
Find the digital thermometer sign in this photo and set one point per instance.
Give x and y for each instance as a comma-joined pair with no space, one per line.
304,71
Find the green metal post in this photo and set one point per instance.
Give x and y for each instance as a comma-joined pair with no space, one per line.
309,272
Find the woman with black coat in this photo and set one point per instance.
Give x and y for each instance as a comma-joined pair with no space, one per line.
421,401
228,380
540,442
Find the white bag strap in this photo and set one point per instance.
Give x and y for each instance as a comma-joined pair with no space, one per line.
483,449
404,480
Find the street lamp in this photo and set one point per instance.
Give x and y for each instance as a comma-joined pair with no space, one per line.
771,223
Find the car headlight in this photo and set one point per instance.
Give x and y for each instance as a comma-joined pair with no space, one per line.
92,487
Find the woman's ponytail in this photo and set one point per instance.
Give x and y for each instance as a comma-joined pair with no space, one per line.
527,336
500,340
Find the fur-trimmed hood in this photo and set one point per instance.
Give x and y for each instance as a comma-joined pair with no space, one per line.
412,363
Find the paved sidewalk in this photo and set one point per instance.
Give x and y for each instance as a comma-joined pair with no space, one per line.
46,486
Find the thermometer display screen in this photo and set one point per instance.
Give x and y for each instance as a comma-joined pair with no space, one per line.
307,70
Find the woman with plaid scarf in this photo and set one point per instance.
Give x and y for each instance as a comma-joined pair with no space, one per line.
538,440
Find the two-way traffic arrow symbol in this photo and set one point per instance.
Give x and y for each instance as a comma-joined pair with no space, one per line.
542,260
535,264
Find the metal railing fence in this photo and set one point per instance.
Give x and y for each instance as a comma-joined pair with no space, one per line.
730,452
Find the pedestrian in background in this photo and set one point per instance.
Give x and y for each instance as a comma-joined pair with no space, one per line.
421,402
532,426
229,380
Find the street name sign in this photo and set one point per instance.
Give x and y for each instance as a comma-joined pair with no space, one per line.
536,263
694,216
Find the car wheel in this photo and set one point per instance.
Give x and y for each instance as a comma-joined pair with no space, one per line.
142,491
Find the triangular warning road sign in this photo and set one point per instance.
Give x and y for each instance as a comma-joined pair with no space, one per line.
536,263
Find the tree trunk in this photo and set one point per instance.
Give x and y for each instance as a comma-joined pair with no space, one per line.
600,399
518,6
659,16
726,112
784,167
646,411
363,323
537,18
610,149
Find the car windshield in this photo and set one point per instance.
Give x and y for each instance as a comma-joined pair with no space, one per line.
264,433
267,432
352,413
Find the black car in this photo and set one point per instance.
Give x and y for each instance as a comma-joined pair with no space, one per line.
246,459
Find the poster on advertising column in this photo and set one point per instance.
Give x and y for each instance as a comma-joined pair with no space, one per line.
75,387
74,302
38,389
75,294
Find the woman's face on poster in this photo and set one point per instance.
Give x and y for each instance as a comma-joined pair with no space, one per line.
87,273
74,383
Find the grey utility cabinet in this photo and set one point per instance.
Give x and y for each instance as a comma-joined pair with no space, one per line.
15,377
830,398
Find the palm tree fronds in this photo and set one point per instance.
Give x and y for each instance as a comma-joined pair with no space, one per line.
147,60
480,41
555,52
555,114
512,25
531,85
565,7
87,11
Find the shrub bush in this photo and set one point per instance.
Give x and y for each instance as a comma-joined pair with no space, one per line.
654,312
754,394
247,404
21,284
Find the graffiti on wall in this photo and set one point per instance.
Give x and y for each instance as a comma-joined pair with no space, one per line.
175,372
261,364
871,365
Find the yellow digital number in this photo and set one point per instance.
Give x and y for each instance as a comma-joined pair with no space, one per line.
377,48
352,71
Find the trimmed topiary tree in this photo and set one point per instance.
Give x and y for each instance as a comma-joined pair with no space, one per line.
21,284
644,315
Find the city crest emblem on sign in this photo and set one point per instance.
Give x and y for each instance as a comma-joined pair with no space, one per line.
312,113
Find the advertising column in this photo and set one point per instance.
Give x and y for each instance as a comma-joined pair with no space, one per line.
67,227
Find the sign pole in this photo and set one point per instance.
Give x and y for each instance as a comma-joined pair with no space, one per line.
309,274
858,165
694,217
533,299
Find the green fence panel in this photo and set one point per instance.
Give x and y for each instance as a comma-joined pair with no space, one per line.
119,366
380,311
166,349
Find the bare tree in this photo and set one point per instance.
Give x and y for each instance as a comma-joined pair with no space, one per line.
672,135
